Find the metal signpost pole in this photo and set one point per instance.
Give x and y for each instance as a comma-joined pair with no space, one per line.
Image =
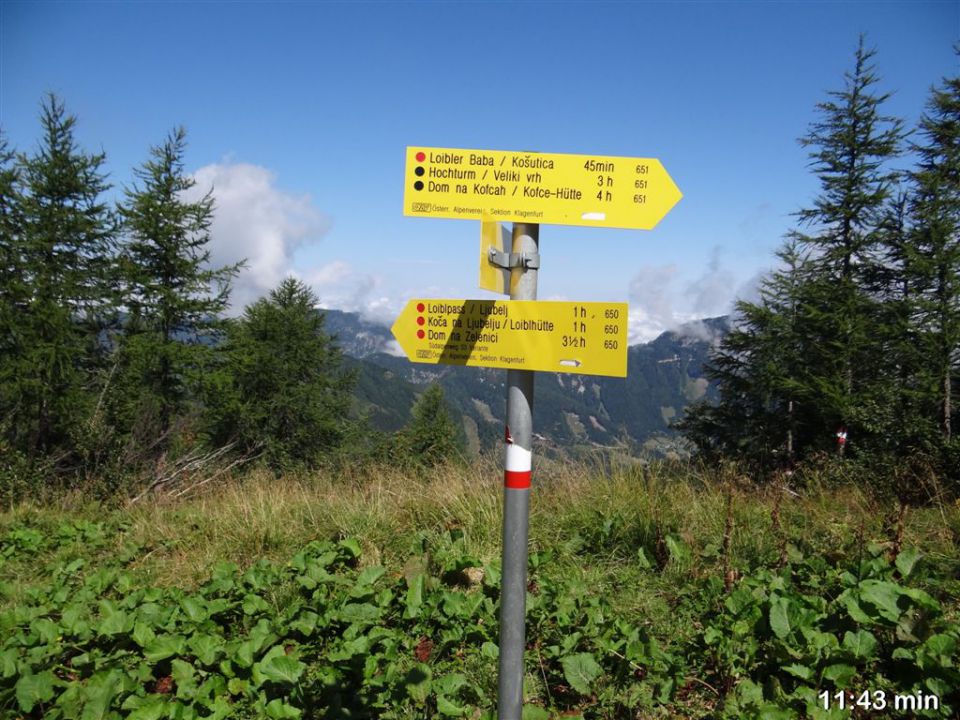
516,491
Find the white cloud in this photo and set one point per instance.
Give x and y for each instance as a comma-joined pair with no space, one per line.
338,286
652,300
699,330
392,347
382,310
256,221
658,305
641,328
652,290
711,294
330,274
749,290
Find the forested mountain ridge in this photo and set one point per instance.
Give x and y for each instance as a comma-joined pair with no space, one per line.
663,377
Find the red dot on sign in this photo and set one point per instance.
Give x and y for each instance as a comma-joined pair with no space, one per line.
421,157
420,307
420,320
420,334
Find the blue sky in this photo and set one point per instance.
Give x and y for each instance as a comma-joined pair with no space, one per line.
298,115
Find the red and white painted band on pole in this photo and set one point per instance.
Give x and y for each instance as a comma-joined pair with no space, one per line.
518,463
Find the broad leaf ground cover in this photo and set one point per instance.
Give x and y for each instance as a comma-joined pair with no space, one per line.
645,599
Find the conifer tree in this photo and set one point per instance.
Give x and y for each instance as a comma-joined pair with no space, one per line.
173,298
13,292
934,268
63,252
11,219
431,437
809,357
764,411
907,380
282,390
851,146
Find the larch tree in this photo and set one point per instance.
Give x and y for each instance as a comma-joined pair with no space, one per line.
173,298
62,254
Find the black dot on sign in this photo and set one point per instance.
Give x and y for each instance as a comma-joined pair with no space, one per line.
418,185
419,171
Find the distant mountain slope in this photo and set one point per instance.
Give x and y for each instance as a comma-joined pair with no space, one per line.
357,337
663,377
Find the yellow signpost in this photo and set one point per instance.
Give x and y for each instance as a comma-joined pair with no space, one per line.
589,338
522,334
543,188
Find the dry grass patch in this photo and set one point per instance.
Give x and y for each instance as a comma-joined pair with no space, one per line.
396,514
262,516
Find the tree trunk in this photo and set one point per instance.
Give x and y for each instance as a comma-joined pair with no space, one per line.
947,408
945,350
790,421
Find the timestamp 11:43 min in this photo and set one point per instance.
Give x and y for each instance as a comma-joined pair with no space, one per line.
878,700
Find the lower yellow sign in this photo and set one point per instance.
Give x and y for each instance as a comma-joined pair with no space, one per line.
589,338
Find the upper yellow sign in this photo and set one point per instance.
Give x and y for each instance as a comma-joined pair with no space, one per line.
589,338
594,190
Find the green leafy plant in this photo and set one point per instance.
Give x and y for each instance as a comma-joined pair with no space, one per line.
781,638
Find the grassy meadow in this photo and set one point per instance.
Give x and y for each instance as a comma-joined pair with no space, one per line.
660,590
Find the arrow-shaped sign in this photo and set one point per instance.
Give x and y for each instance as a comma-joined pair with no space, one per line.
552,188
589,338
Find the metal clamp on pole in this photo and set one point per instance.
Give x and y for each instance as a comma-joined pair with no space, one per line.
527,261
